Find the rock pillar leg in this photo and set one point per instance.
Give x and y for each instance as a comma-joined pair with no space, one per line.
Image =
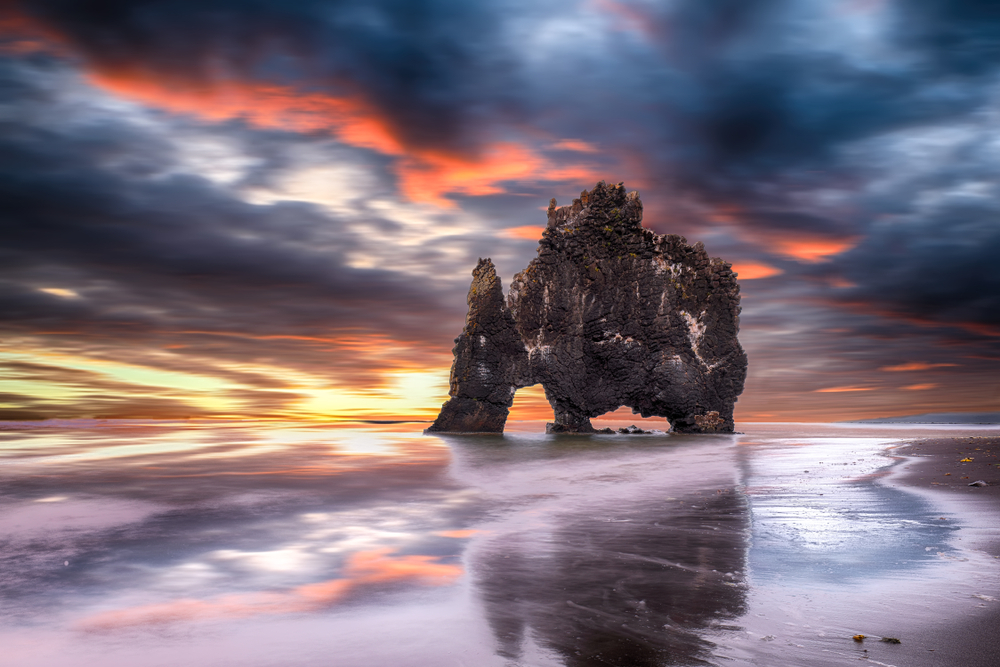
467,415
490,361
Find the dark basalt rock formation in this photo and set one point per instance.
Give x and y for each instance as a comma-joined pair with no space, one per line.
490,363
608,314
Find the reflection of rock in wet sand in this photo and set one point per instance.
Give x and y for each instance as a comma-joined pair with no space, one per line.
638,587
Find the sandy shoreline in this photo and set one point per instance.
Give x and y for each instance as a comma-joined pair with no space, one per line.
936,465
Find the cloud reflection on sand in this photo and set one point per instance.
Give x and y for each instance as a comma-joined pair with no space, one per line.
208,519
365,568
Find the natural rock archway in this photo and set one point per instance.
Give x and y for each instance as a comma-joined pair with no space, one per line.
608,314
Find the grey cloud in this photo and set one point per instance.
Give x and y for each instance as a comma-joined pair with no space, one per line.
173,251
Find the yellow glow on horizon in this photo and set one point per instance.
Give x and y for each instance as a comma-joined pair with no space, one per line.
180,385
161,381
413,392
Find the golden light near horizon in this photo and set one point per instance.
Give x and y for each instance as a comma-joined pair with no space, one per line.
400,393
415,393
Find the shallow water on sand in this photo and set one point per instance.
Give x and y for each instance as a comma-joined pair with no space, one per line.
264,544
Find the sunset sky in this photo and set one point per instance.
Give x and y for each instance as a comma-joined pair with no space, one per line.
265,208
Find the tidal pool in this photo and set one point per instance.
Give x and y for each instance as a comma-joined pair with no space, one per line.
250,544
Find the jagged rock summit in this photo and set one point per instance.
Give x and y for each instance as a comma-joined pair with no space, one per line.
608,314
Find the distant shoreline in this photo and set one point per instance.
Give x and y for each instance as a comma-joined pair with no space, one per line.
914,423
954,418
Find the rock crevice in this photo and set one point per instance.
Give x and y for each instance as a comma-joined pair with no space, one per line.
608,314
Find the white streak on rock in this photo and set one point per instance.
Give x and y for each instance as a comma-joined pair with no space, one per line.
696,332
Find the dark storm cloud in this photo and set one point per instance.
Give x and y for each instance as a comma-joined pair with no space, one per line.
763,124
954,37
730,95
747,92
938,268
425,64
93,206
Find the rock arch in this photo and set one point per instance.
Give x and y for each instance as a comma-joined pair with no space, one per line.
608,314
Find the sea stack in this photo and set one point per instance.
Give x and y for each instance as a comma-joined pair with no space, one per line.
608,314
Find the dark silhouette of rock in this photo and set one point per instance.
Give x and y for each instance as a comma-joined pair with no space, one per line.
608,314
490,363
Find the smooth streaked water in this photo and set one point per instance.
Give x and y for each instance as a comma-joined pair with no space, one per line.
263,544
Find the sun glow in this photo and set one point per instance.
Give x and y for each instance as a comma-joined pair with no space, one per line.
405,393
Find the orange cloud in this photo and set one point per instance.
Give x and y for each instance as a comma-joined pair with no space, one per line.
755,270
363,568
981,329
426,176
841,283
914,366
575,145
458,534
374,344
20,35
349,118
812,250
921,387
837,390
801,245
527,232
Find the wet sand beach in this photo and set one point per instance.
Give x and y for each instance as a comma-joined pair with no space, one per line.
257,544
939,464
938,467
